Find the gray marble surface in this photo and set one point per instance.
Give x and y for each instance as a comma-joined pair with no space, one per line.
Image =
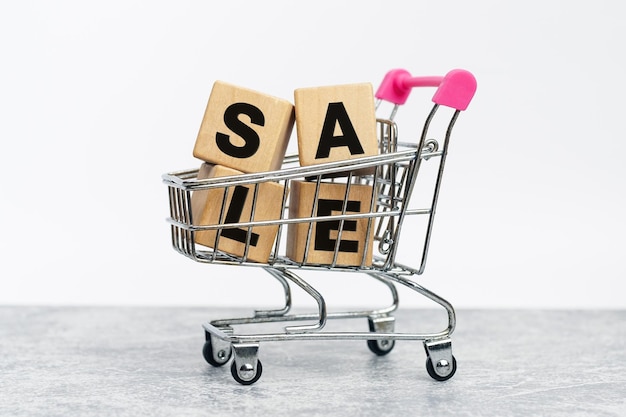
146,361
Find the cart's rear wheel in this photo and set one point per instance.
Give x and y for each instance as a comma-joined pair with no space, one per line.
219,358
442,364
381,347
381,324
251,378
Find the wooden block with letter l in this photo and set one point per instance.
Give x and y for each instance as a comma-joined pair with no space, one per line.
357,235
335,123
244,129
208,207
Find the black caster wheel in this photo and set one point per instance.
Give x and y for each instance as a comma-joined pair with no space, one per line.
219,358
381,347
442,365
249,376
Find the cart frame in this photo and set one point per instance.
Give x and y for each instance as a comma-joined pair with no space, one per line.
392,176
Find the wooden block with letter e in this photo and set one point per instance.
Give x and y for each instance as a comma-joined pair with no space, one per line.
357,235
244,129
335,123
207,207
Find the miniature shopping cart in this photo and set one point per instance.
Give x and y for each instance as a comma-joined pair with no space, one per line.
392,176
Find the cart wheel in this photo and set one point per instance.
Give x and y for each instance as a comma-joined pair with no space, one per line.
250,379
443,364
384,324
381,347
222,357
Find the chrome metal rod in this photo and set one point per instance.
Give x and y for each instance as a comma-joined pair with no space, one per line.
284,337
431,296
431,218
272,316
411,180
316,296
287,292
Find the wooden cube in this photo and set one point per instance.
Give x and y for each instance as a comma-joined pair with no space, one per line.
335,123
244,129
357,237
207,208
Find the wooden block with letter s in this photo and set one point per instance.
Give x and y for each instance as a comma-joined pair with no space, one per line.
244,129
356,243
335,123
207,210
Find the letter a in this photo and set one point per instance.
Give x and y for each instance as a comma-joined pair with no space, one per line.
336,114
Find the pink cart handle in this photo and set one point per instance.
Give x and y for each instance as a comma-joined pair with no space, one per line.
456,89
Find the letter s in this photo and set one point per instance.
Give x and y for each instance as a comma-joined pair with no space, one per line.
249,136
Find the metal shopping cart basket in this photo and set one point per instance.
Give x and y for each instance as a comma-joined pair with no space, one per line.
391,177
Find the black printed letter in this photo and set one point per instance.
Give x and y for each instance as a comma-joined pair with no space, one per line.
234,213
336,113
322,229
237,126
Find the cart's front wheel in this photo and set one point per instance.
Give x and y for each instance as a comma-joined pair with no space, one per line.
381,347
215,358
247,375
445,369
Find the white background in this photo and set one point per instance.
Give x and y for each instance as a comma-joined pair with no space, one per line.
99,98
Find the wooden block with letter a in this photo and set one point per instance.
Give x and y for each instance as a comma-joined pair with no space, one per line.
335,123
207,210
244,129
357,236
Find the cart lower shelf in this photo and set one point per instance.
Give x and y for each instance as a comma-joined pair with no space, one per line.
223,345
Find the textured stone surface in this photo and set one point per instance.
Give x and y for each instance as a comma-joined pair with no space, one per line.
84,361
